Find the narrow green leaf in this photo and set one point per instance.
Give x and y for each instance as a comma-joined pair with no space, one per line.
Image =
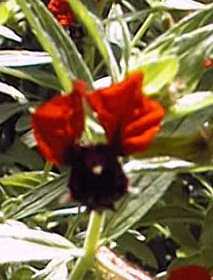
128,243
170,214
118,33
36,199
191,41
34,75
96,31
185,5
23,58
26,180
150,190
157,164
66,59
191,103
35,20
187,24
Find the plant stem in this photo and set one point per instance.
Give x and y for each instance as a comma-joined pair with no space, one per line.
144,27
90,245
47,168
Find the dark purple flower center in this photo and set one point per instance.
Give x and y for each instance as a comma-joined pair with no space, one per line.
97,179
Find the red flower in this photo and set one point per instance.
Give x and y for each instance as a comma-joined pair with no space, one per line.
61,10
57,124
130,119
191,272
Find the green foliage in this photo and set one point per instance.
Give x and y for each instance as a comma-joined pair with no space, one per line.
150,189
95,29
170,185
4,13
38,245
158,73
66,59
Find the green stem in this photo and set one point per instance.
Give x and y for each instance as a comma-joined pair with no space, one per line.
90,245
47,168
144,27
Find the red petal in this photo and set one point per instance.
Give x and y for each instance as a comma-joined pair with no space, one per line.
141,142
192,272
113,104
130,119
61,10
58,123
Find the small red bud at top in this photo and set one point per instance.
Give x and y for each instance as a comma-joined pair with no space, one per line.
62,11
208,63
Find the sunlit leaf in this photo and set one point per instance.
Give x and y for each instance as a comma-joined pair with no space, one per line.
4,13
32,245
182,4
56,269
158,163
8,33
192,103
23,58
157,72
13,92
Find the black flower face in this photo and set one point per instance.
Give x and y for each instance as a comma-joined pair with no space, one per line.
97,179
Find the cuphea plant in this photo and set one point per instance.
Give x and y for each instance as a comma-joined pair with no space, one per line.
106,139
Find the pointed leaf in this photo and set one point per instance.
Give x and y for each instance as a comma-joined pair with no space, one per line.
23,58
13,92
66,59
32,245
36,199
182,5
96,31
34,75
7,32
132,209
